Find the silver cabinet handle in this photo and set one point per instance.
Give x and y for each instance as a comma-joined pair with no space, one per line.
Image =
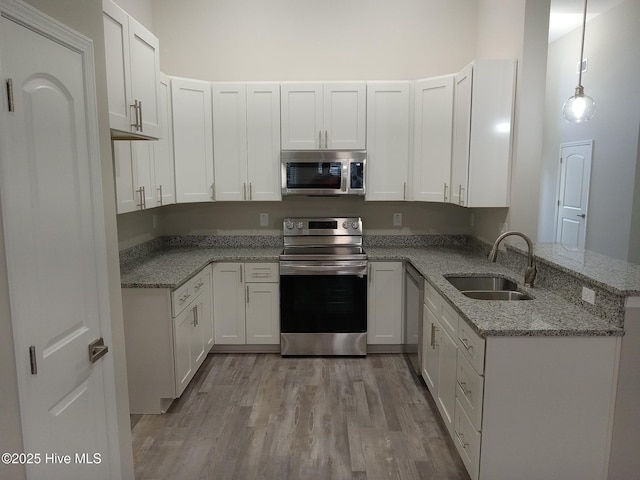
140,109
144,198
244,191
137,107
326,139
462,387
466,345
11,106
247,294
582,215
33,360
434,329
445,191
140,193
320,139
195,316
241,268
461,438
250,192
404,194
159,189
213,191
460,200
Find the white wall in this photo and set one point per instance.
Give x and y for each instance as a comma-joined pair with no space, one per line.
611,47
314,40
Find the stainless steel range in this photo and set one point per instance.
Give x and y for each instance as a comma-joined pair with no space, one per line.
323,287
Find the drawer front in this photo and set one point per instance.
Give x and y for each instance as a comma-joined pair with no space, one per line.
467,441
472,346
449,319
469,390
261,272
181,297
432,298
202,281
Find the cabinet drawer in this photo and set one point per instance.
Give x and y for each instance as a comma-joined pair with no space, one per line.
180,298
261,272
432,298
467,441
472,346
201,282
469,390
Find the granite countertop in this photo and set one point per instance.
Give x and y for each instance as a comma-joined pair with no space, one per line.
546,315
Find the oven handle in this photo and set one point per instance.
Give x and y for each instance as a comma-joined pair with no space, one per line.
323,268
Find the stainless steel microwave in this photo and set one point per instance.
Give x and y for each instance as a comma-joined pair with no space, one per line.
323,173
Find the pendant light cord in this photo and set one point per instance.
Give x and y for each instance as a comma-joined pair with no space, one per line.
584,26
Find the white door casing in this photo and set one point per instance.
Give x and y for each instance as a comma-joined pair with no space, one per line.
573,193
55,246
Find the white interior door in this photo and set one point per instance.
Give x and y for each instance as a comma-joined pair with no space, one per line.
573,193
51,198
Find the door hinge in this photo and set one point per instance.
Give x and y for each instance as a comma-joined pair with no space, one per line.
33,361
11,104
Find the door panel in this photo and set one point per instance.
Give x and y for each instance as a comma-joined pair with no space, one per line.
573,193
54,268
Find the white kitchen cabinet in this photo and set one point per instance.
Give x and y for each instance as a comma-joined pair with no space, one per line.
133,75
482,135
388,138
246,141
167,337
433,133
317,116
165,181
246,303
134,175
192,140
384,311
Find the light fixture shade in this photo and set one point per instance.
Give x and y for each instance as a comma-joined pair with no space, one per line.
579,108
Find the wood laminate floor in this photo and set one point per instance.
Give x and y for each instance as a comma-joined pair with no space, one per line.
247,416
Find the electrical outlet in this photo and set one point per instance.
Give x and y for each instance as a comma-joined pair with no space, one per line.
264,219
588,295
397,219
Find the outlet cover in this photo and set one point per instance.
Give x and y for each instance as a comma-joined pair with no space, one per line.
588,295
397,219
264,219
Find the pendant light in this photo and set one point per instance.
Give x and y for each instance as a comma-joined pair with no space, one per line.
580,107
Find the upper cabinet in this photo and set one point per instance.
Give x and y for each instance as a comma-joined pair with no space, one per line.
483,120
432,140
133,73
192,140
388,134
246,141
318,116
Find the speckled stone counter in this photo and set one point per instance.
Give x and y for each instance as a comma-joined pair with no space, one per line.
546,315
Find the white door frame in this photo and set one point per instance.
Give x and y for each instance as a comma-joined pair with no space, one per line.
40,23
561,171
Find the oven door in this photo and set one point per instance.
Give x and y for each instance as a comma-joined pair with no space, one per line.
323,297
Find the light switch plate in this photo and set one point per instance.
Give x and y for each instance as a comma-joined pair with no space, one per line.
397,219
264,219
588,295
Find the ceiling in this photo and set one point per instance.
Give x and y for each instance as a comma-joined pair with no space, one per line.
566,15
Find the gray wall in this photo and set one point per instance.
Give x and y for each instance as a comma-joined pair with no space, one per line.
611,47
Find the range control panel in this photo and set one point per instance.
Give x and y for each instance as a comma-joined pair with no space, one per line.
322,226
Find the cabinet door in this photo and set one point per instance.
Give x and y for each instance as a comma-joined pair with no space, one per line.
165,193
229,303
144,162
126,178
263,313
301,113
430,351
446,391
192,140
461,136
387,140
230,141
263,141
199,331
184,367
345,114
145,76
491,126
202,286
116,38
384,314
432,139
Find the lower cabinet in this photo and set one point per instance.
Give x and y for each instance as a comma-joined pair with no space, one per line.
384,303
520,407
246,303
167,337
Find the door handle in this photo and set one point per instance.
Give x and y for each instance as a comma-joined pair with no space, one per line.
582,215
97,349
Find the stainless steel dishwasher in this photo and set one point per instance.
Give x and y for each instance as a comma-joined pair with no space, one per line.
413,306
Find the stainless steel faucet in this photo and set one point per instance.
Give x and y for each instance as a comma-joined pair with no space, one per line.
530,272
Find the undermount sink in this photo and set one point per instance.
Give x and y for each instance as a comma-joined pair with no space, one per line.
489,287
